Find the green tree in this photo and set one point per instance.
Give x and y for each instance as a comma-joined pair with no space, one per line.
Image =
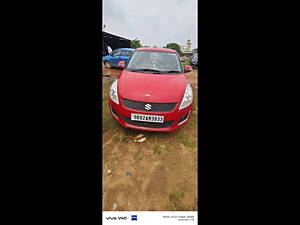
174,46
135,43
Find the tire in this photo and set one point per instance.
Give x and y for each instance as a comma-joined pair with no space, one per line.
107,65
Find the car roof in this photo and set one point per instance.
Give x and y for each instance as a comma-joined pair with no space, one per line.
156,49
128,49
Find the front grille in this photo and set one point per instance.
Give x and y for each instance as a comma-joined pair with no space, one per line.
148,124
155,107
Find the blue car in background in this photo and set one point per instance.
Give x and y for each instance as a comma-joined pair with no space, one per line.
121,54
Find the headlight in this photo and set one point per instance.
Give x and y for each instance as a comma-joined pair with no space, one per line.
113,92
187,98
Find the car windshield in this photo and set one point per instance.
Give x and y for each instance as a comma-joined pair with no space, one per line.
154,62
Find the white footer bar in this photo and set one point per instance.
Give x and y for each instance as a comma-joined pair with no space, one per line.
150,217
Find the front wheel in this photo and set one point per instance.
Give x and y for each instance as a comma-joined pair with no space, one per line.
107,65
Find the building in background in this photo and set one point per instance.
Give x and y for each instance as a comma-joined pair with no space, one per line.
113,42
187,47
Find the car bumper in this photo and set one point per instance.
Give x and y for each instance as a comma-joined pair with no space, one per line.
172,120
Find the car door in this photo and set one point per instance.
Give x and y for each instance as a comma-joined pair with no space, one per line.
115,57
123,56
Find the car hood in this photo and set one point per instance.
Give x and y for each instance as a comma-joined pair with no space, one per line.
160,88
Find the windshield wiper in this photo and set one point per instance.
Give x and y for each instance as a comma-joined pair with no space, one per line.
172,71
150,70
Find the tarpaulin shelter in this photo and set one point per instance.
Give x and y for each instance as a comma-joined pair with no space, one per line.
114,42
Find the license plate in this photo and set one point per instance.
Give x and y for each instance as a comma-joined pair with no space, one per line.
147,118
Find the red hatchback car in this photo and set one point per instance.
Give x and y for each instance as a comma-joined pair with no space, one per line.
152,93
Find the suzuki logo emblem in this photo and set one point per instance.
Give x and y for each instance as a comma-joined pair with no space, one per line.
148,107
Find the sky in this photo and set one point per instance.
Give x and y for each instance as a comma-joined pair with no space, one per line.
153,22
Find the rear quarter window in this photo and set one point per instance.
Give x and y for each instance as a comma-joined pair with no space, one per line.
128,53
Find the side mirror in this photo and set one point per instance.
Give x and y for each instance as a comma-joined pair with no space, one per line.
187,68
121,64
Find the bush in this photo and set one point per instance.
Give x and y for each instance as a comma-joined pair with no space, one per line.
136,43
175,47
186,62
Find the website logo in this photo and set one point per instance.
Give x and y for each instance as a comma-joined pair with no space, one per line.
133,217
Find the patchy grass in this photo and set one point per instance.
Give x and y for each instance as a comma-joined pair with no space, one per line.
175,200
186,140
116,139
157,149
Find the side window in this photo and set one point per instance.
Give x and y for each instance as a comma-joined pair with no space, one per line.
122,53
116,53
128,53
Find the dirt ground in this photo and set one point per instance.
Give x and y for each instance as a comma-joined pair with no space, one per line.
159,174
